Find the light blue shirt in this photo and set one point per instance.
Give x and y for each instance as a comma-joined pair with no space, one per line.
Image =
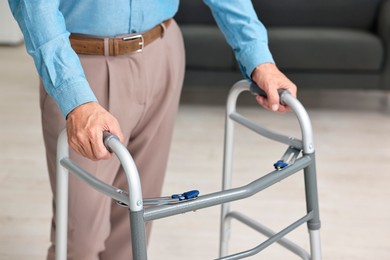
46,25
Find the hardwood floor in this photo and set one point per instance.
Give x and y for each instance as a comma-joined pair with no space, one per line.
353,164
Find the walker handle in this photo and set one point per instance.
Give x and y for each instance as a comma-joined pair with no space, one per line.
107,136
286,98
257,91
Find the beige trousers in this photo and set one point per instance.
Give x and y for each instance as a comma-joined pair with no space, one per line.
142,91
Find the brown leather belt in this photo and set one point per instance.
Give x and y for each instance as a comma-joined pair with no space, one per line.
82,44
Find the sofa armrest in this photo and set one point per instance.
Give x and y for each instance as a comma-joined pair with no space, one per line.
384,21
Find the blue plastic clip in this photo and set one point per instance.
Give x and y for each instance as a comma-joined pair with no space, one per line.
280,165
186,195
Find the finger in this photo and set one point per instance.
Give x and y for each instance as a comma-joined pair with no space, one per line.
264,103
86,143
261,101
115,129
99,150
283,109
273,98
83,149
292,88
73,142
118,132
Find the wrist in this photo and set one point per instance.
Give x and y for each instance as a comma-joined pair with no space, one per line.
82,108
263,72
263,68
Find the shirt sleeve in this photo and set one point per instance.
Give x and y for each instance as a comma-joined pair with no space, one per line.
47,41
243,31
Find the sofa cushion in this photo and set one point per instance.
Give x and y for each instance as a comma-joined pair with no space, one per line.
326,13
359,14
325,49
207,47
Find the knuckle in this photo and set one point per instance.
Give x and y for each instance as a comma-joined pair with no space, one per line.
90,132
78,136
101,155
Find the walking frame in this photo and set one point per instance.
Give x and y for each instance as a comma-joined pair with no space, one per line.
290,164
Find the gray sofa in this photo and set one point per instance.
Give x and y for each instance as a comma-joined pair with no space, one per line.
332,44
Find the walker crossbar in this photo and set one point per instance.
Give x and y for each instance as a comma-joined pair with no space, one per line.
272,239
265,132
139,215
270,233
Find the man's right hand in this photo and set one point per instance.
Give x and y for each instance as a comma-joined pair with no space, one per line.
85,125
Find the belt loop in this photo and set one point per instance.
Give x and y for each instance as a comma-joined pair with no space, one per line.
163,29
111,47
106,47
115,46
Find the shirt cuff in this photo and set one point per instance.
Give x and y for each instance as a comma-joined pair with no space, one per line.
72,95
252,56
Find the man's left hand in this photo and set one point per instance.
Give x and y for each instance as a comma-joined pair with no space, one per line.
269,78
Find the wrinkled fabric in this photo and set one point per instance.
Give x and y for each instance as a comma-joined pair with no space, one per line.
46,26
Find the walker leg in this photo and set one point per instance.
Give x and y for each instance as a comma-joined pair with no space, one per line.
61,200
224,231
315,244
314,224
227,178
138,235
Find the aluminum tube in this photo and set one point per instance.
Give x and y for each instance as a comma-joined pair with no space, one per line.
227,169
221,197
131,172
62,180
97,184
265,132
268,242
138,235
291,246
315,244
304,121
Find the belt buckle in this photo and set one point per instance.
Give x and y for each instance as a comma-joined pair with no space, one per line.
134,37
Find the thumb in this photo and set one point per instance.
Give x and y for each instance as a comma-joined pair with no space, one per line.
115,129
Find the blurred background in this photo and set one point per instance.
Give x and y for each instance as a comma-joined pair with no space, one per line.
337,54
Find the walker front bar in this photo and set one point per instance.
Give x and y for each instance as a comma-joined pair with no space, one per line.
200,202
224,196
